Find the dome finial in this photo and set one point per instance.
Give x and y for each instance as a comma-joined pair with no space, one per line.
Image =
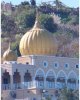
37,23
9,45
37,14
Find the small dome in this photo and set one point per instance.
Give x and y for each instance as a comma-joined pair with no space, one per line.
9,55
38,41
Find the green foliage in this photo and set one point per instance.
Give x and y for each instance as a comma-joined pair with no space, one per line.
8,25
26,19
66,20
25,3
48,98
23,18
33,2
71,19
48,22
29,20
66,94
74,20
15,48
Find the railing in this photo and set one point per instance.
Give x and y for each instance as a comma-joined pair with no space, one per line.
23,85
6,86
37,84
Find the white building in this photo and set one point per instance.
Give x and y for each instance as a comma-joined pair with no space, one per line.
38,68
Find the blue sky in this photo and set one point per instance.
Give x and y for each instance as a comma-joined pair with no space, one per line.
71,3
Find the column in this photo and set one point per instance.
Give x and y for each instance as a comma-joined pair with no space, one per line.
66,83
45,83
33,60
34,83
55,83
11,79
22,80
77,85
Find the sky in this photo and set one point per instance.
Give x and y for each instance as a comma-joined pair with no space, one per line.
70,3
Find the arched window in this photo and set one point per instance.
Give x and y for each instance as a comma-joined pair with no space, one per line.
40,78
61,79
17,79
5,80
50,79
27,77
72,77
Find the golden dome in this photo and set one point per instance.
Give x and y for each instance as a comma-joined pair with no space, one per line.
38,41
9,55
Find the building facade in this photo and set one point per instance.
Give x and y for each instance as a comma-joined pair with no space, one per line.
38,72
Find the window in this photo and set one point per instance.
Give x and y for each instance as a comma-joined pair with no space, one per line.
56,64
41,83
45,63
66,65
77,66
34,98
50,84
27,63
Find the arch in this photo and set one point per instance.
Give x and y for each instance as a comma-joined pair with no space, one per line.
27,77
50,72
61,79
40,70
39,77
72,79
6,78
72,74
16,77
61,73
50,78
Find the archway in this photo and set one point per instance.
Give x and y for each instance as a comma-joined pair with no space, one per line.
61,79
40,78
50,79
6,80
72,77
17,79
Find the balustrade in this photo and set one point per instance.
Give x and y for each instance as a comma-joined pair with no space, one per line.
38,84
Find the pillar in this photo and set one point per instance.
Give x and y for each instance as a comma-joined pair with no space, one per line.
66,82
33,60
22,79
55,82
45,84
11,80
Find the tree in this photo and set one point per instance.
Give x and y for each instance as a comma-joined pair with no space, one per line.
16,50
65,94
48,22
25,3
57,3
48,98
8,25
26,19
29,20
33,2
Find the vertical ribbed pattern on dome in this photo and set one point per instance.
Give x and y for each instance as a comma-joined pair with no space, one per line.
38,41
9,55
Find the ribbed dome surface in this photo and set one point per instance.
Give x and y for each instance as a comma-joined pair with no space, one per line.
38,41
9,55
